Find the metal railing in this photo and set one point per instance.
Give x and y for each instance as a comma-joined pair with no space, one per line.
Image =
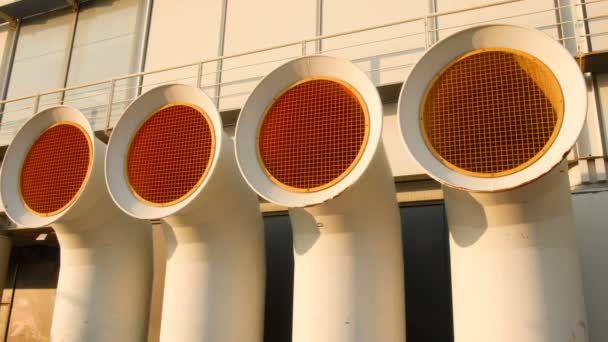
385,52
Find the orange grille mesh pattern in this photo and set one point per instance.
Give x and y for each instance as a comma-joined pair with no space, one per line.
492,113
55,168
170,154
312,135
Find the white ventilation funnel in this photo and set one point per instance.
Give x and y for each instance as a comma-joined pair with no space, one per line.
52,175
309,138
168,157
490,112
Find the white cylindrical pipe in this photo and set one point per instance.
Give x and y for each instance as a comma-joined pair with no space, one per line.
348,279
215,275
514,263
348,262
214,281
515,267
105,278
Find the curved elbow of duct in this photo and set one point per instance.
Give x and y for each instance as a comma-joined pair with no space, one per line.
309,138
492,108
52,175
168,158
491,112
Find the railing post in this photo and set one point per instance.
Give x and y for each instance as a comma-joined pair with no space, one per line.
110,101
304,47
199,75
36,103
426,32
578,22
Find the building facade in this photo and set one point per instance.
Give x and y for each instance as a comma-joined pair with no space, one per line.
100,55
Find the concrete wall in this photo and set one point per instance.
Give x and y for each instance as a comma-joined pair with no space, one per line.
106,44
182,32
64,49
253,25
391,51
39,65
598,26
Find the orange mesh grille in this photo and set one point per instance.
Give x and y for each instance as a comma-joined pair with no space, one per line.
55,169
170,154
492,112
313,134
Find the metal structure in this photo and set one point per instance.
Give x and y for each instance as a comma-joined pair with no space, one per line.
348,280
52,175
510,116
169,158
113,95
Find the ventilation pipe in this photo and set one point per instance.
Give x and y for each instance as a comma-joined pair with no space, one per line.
169,158
52,175
490,113
309,138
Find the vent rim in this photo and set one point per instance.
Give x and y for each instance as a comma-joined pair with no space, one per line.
354,162
82,185
267,89
547,146
203,176
531,41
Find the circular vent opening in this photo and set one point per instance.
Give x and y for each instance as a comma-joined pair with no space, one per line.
313,134
55,169
170,154
492,112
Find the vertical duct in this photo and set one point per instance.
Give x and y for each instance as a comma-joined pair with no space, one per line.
309,138
490,112
169,158
52,175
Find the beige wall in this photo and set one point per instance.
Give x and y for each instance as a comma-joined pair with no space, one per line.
182,32
392,51
106,44
39,64
252,25
5,41
452,23
598,27
400,160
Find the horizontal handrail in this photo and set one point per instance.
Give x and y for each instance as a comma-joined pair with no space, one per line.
106,98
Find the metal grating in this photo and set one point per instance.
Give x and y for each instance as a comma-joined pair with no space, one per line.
492,112
55,169
170,154
313,134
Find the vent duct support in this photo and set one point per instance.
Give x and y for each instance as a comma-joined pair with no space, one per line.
105,279
511,103
309,138
215,275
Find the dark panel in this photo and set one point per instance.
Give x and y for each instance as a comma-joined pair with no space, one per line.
427,273
594,62
279,278
389,93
